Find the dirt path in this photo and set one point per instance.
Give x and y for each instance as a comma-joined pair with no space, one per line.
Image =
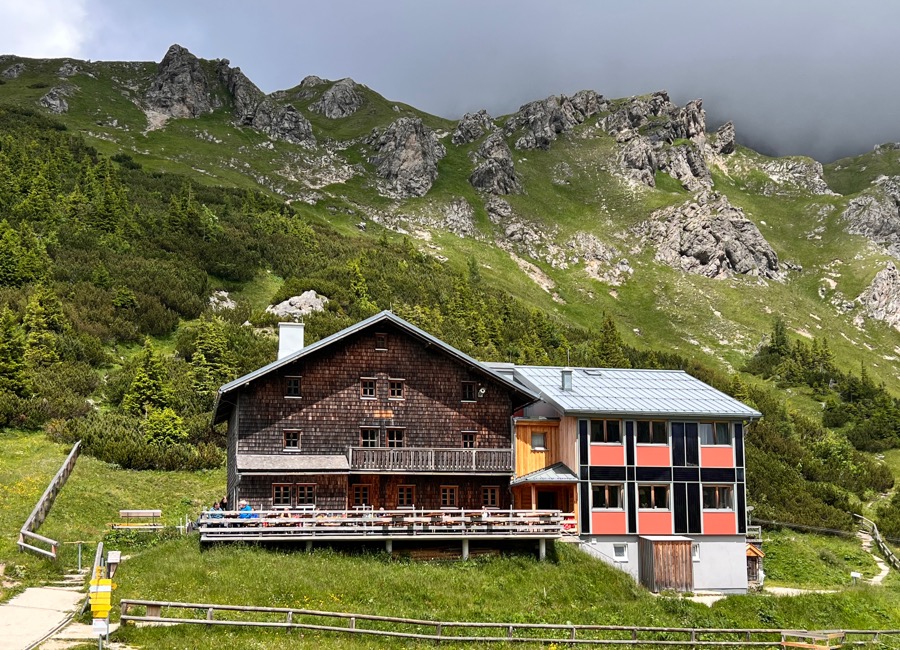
867,544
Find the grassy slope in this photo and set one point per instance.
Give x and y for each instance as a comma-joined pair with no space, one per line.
813,561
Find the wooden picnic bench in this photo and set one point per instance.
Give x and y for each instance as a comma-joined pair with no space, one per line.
811,640
139,520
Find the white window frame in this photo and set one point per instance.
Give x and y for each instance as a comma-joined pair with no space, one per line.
543,446
624,550
695,551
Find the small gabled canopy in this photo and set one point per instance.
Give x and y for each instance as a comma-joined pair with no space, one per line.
754,551
522,395
556,473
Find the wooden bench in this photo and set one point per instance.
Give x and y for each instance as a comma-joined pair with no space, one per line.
139,520
812,640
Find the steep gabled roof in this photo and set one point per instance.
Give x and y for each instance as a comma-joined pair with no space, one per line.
615,391
222,407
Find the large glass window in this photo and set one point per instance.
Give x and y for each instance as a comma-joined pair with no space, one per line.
606,431
652,432
718,497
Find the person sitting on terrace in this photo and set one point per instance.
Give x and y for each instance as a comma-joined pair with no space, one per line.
246,510
216,511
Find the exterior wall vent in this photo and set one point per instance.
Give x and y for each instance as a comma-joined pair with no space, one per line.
290,339
566,379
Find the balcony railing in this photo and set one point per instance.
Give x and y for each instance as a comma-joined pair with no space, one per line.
424,459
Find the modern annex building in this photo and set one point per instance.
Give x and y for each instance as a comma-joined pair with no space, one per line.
652,462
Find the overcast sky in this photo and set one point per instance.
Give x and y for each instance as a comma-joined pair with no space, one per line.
818,77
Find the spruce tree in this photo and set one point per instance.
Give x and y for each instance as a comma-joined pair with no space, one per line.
44,322
12,351
149,387
608,348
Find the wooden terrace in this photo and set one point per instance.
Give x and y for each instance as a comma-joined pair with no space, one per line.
362,524
427,459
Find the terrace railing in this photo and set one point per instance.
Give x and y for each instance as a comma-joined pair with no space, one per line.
427,459
361,524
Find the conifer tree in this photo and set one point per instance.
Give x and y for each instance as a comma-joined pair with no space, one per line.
149,387
608,348
44,322
12,351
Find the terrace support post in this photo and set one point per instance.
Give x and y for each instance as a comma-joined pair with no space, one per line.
389,545
533,497
542,549
465,548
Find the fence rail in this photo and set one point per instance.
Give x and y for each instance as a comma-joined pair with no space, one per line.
888,554
42,509
462,632
425,459
365,524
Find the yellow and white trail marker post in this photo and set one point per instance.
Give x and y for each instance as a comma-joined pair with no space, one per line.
100,594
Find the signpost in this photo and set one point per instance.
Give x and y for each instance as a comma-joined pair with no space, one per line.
100,594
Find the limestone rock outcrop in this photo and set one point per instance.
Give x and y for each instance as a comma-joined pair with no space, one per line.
709,236
67,69
805,174
296,307
496,174
13,71
724,143
881,299
640,158
254,109
55,101
312,80
471,127
341,100
543,120
406,156
876,214
181,88
658,118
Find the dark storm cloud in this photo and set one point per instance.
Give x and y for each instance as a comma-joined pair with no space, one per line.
802,77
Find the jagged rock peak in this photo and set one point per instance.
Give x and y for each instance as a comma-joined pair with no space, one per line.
407,154
725,139
543,120
876,213
471,127
341,100
881,299
245,94
496,174
181,87
658,118
709,236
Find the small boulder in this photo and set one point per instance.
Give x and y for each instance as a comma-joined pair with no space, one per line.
221,301
67,69
296,307
55,101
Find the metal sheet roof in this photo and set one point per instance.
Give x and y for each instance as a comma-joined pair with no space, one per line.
219,414
556,473
612,391
290,463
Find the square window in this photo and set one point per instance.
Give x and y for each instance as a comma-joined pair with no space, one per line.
406,496
718,497
468,440
606,496
360,495
292,386
620,552
653,497
469,390
395,438
606,431
448,496
281,495
538,441
306,494
369,437
651,432
292,439
395,389
381,342
490,496
367,388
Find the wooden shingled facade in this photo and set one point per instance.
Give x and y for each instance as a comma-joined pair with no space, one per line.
381,391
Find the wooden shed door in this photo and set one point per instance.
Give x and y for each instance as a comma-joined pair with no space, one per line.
672,565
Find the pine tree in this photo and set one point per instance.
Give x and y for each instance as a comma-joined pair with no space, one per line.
44,322
12,351
608,348
149,387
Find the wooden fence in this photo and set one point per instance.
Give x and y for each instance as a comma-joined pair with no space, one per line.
42,509
469,632
886,552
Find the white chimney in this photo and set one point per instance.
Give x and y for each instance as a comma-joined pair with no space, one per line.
290,339
566,379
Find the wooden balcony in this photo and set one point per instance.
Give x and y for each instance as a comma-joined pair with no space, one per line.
425,459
